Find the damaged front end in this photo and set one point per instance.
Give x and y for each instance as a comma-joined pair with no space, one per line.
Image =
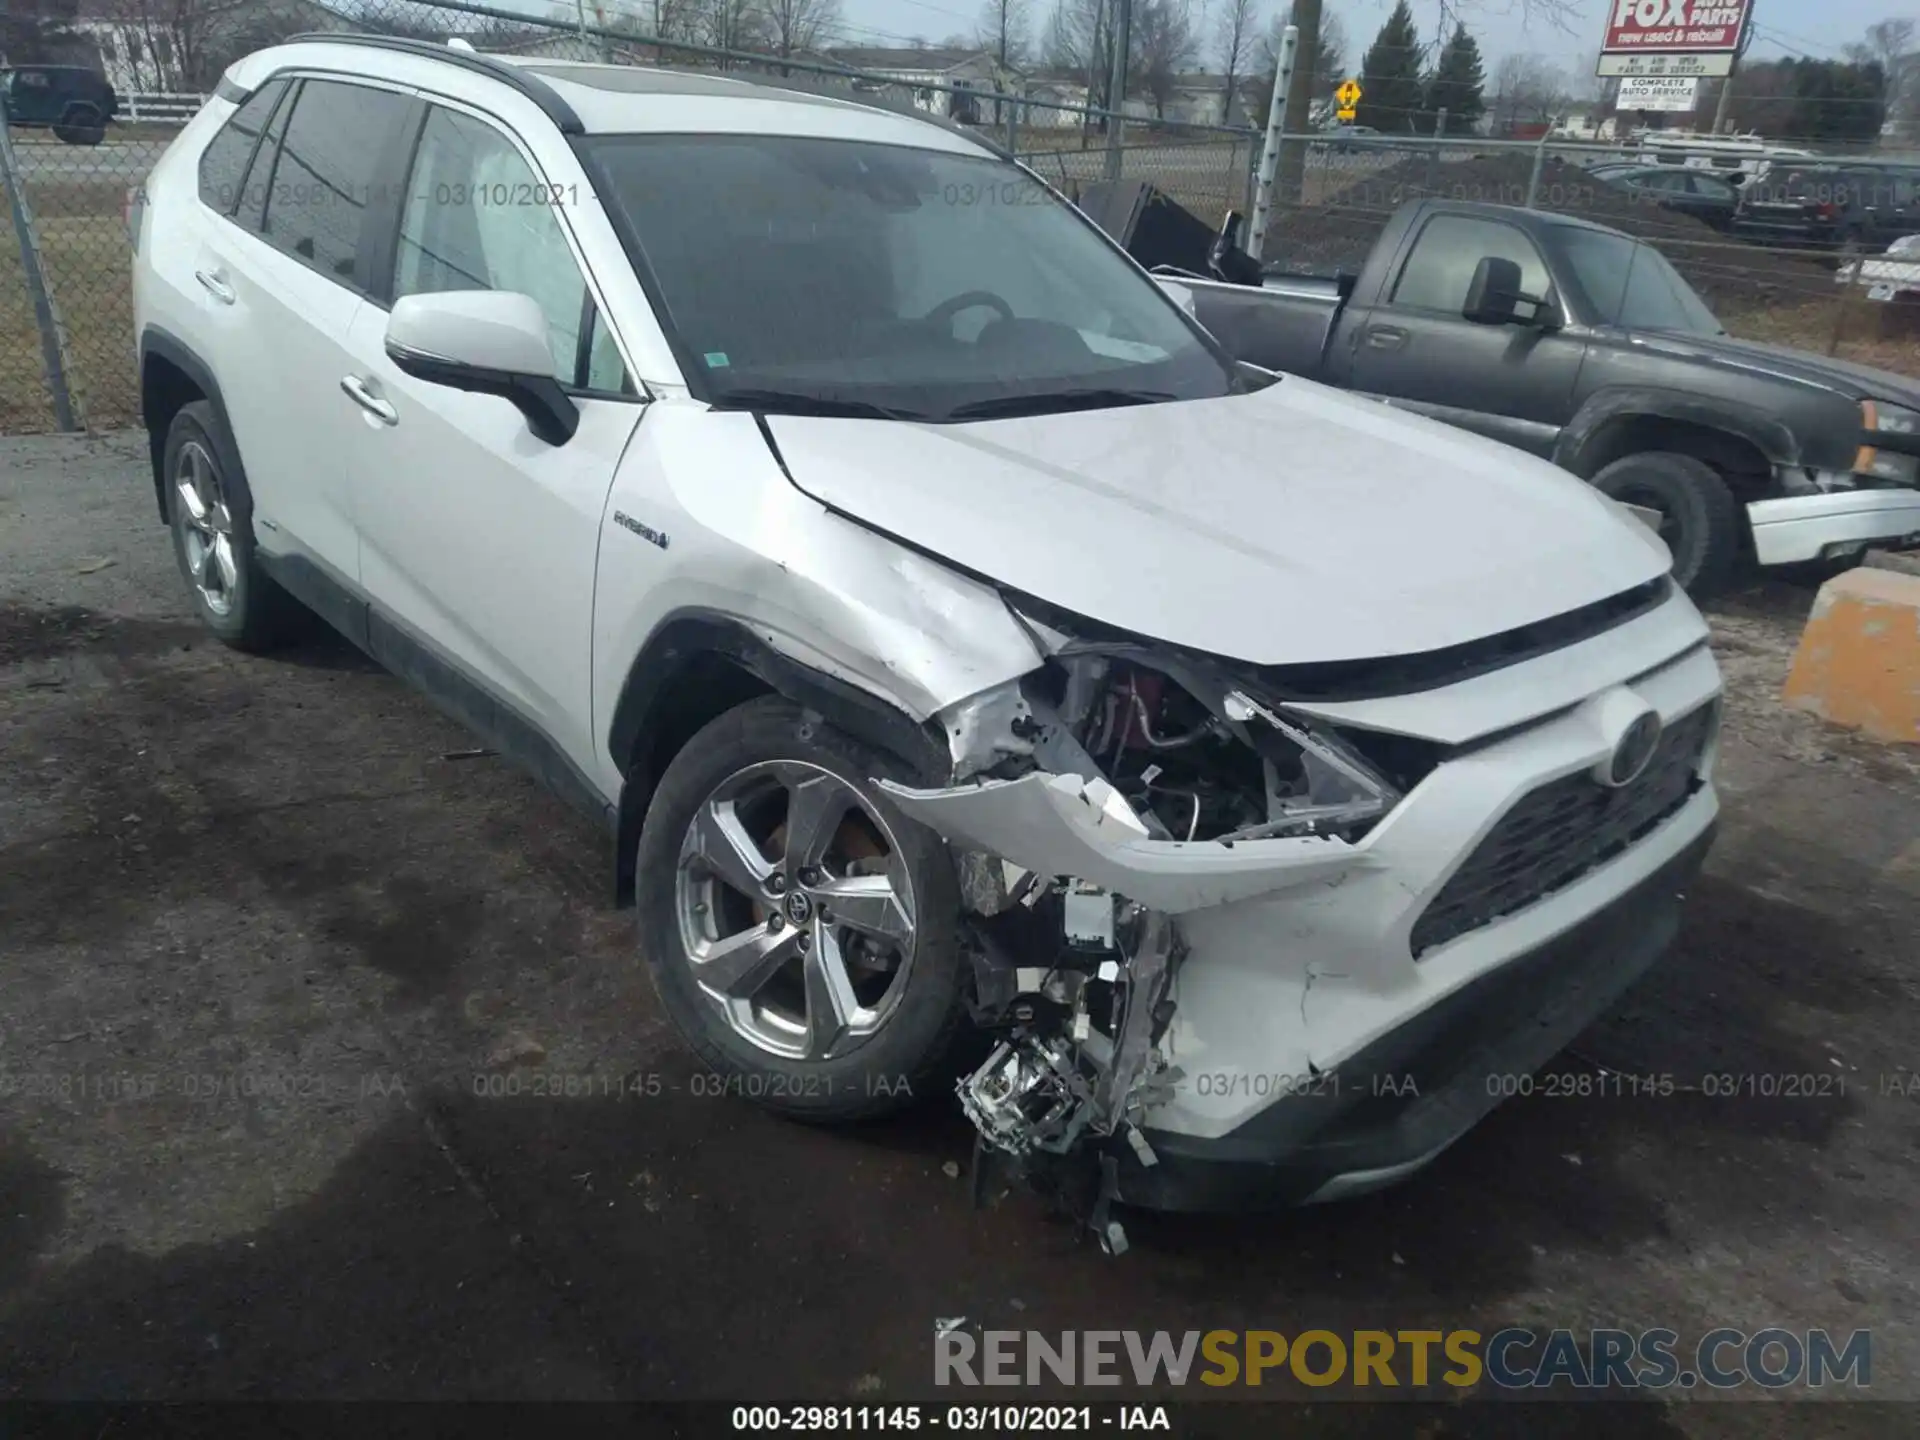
1095,801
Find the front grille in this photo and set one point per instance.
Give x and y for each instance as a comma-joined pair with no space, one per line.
1562,830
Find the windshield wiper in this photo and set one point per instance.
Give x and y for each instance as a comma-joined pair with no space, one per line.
1052,402
796,402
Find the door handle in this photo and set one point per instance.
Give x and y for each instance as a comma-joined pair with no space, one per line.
215,286
1386,337
357,391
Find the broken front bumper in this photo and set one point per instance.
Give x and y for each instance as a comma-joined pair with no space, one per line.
1389,1109
1311,962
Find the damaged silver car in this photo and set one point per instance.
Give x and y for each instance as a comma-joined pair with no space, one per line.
1218,782
1264,772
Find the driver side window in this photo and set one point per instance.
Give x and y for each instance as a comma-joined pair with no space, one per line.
1440,269
477,218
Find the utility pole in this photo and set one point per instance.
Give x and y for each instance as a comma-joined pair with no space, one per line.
1733,64
1300,98
1117,86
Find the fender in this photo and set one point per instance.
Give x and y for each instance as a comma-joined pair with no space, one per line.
689,641
169,347
1578,447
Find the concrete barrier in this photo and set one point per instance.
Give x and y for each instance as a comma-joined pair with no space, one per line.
1858,663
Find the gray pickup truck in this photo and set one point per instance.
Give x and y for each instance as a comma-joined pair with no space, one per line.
1584,345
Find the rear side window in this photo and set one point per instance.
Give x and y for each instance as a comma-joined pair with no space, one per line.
323,174
1450,247
223,164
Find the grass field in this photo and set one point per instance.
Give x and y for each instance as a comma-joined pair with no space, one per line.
87,257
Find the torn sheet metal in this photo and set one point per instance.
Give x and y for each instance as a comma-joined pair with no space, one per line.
1068,825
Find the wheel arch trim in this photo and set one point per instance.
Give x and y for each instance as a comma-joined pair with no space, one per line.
167,346
689,637
1580,448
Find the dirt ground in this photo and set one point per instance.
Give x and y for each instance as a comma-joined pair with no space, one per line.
282,966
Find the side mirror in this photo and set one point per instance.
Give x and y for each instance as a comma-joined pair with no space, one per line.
491,342
1494,293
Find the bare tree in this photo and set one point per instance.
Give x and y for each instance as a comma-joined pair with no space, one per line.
730,24
1891,44
1236,28
1528,89
1003,31
795,25
1162,46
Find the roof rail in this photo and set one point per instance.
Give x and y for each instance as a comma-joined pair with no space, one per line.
531,86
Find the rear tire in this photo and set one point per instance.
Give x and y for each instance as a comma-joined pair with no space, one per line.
210,515
1701,522
81,125
851,1023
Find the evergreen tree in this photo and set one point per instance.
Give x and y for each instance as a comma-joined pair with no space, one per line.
1392,94
1457,86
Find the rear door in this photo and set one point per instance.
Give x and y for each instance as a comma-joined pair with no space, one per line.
1510,382
479,539
280,273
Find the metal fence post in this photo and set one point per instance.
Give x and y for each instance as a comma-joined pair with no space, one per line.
1117,85
53,335
1433,155
1847,295
1270,156
1539,159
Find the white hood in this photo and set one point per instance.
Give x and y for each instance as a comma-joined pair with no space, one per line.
1291,526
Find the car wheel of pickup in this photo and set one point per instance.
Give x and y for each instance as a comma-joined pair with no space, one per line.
211,516
801,933
1700,520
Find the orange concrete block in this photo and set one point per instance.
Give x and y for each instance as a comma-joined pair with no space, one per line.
1858,664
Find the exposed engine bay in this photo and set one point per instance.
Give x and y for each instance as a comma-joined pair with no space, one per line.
1078,982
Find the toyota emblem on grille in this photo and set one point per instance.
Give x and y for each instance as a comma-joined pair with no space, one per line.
1632,752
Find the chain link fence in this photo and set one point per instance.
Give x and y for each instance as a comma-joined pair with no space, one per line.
66,330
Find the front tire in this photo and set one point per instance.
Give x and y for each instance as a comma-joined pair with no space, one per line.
211,517
1700,520
801,933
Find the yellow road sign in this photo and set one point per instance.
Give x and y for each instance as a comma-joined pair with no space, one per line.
1345,114
1348,95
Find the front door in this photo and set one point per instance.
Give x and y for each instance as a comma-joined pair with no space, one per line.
477,538
1511,382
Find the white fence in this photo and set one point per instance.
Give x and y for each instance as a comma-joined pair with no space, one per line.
151,108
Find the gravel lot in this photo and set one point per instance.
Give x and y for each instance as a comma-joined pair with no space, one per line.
282,969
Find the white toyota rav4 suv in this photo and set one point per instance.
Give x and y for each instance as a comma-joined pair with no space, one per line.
956,642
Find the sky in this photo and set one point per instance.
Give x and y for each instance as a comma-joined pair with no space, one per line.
1782,27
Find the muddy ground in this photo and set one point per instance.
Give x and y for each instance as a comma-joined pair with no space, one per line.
281,967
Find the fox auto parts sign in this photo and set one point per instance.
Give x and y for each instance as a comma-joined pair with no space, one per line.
1674,27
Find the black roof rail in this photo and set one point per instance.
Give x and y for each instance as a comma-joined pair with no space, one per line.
531,86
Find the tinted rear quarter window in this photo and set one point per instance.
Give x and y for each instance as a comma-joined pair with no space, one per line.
223,164
323,173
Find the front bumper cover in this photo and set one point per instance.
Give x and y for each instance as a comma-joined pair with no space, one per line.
1362,1125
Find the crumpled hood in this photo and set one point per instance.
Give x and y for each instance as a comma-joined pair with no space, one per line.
1291,526
1854,382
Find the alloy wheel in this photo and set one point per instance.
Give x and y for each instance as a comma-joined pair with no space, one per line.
206,528
795,910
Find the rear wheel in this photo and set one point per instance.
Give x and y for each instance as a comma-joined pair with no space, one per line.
81,124
801,932
211,516
1700,520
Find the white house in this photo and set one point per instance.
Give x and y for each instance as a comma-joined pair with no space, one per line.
928,66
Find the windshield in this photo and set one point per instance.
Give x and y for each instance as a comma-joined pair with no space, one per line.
1632,285
913,282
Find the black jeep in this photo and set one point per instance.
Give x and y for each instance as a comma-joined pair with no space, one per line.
74,101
